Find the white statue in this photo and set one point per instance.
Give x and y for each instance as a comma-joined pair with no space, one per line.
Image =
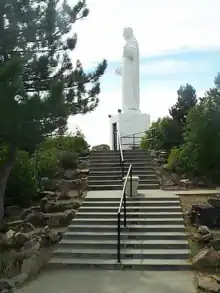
130,73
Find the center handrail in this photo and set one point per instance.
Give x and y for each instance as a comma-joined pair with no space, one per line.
123,200
121,154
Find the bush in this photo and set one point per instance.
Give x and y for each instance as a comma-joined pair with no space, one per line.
47,162
21,188
174,163
67,160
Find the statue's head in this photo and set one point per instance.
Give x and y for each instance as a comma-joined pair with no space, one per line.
128,33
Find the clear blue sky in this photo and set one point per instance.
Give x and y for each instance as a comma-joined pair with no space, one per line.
179,43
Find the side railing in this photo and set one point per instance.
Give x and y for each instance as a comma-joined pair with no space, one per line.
123,203
134,140
121,155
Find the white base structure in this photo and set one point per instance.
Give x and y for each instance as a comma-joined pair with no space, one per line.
135,184
128,124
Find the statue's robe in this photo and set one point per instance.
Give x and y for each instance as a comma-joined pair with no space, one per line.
130,77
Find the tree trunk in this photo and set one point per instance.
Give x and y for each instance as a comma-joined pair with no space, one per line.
5,170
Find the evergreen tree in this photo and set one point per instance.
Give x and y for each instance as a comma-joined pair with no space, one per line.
39,86
185,101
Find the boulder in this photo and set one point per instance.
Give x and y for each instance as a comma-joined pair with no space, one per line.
28,211
203,214
32,245
203,230
83,164
66,218
71,174
49,237
16,225
27,227
186,183
203,239
60,219
9,237
47,194
101,147
206,258
64,196
84,171
216,244
33,265
208,284
20,279
6,284
19,239
43,203
35,218
60,206
50,184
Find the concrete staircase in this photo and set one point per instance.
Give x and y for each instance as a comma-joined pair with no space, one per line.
105,170
153,240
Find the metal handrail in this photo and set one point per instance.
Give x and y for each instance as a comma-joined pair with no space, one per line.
123,201
121,155
135,138
131,134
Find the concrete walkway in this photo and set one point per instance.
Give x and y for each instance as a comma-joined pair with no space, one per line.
111,282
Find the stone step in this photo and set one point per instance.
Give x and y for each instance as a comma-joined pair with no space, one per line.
124,237
104,230
139,199
119,187
108,222
116,160
119,181
103,212
117,164
142,172
131,203
128,264
70,241
118,170
137,170
117,152
125,253
167,215
130,210
114,177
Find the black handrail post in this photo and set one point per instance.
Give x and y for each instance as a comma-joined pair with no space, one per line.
123,170
125,212
119,239
133,141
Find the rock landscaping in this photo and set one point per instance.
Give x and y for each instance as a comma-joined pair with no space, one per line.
172,181
28,239
202,219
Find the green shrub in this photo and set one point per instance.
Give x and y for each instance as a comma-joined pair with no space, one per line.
67,160
47,162
21,188
174,162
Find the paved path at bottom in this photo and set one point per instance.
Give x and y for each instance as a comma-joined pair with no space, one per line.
85,281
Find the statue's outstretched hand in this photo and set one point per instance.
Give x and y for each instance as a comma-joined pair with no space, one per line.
118,71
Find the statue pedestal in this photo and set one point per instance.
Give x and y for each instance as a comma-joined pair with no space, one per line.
131,126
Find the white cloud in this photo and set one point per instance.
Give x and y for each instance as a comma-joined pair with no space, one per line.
160,26
96,125
170,66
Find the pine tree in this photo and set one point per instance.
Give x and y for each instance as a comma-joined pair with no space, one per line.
39,86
